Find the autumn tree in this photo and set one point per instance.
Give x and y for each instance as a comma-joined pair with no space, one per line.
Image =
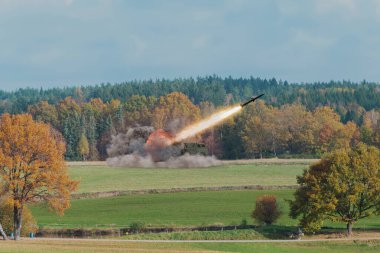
174,111
83,147
344,186
44,112
255,135
370,129
139,110
330,133
29,224
299,126
264,129
32,166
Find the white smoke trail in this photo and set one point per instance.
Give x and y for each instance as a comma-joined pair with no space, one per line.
205,124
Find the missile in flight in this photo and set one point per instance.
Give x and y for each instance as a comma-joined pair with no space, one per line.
251,100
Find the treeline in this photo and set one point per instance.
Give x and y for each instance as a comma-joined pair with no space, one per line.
293,131
350,100
261,130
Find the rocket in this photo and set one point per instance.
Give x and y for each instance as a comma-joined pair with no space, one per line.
251,100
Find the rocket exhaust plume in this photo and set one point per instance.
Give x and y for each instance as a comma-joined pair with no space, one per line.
207,123
213,120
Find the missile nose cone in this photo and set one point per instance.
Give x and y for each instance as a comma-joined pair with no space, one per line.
259,96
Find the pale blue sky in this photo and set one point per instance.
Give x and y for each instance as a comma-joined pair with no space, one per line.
49,43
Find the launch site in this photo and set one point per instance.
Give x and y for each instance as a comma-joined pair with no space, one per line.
190,126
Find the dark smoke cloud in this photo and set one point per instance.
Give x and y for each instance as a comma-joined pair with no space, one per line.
127,150
131,142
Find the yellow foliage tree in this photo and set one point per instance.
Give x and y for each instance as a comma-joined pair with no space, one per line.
344,186
83,147
32,166
139,110
330,132
174,111
299,125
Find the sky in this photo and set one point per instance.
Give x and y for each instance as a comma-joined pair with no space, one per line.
57,43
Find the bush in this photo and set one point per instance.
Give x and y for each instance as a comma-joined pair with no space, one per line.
267,210
244,223
137,227
6,219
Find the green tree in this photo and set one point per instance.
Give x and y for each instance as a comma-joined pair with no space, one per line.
69,114
89,123
344,186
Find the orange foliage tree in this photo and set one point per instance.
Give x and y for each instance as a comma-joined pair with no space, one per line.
174,111
32,166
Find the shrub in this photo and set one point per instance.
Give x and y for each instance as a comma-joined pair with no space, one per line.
244,223
6,219
137,227
267,210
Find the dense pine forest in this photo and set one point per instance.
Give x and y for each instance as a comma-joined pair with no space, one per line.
294,119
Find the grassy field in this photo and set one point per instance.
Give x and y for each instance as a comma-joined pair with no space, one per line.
103,178
175,209
172,209
45,246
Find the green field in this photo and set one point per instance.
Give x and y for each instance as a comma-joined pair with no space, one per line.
86,246
177,209
103,178
172,209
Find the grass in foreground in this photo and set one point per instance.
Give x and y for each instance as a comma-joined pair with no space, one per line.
173,210
42,246
104,178
295,247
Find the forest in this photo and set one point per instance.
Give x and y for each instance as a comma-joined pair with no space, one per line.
292,120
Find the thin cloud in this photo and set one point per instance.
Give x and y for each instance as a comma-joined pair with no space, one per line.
65,42
312,40
326,6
